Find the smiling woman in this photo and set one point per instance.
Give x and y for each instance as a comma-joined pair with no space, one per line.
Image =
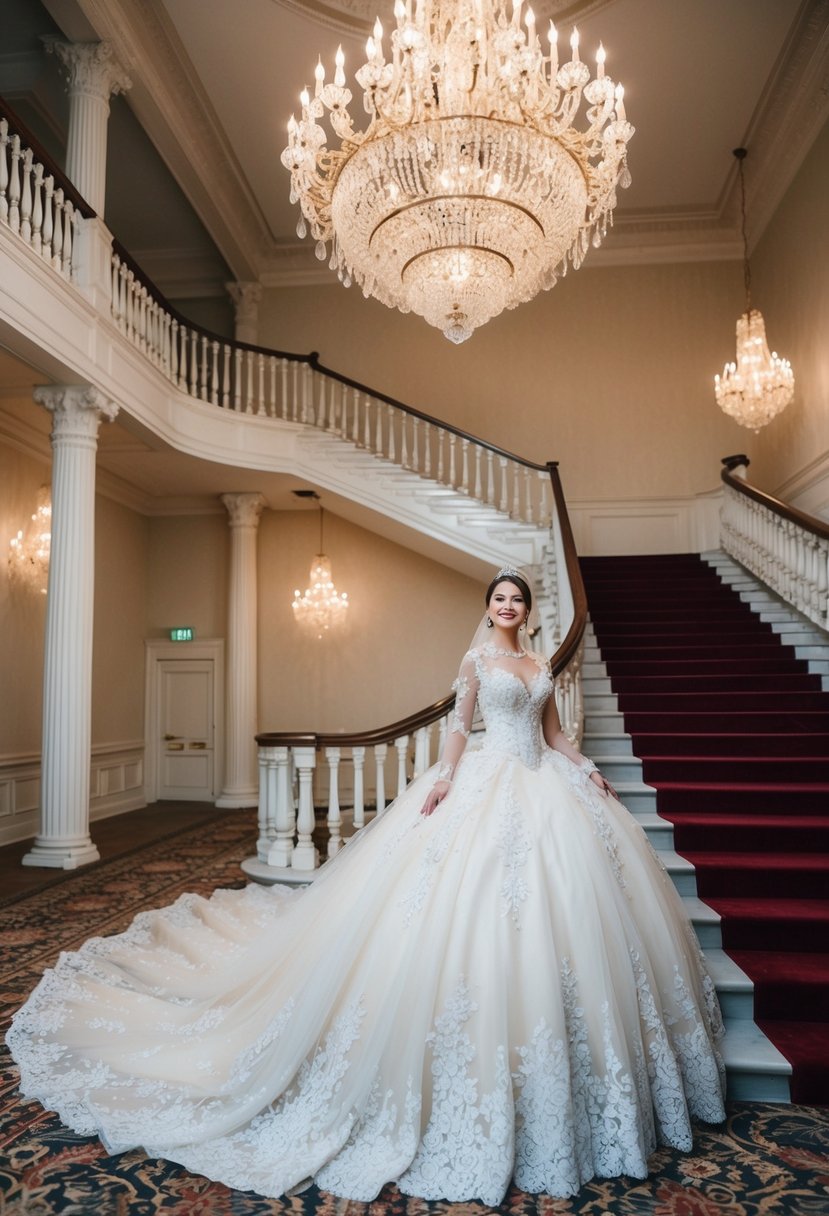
497,982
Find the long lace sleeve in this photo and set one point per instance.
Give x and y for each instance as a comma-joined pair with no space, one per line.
460,721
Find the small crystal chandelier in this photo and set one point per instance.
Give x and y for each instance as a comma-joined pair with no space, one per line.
29,551
470,190
321,608
755,388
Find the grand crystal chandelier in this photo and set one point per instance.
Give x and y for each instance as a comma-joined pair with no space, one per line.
758,385
29,551
321,607
470,190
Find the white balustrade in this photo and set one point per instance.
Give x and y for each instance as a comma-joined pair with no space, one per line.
31,207
790,559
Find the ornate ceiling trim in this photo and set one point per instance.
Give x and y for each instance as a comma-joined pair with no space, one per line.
357,16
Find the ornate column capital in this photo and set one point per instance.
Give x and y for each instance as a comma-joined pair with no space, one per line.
91,67
246,299
244,510
76,409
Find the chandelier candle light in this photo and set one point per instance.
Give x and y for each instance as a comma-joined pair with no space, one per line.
29,551
321,608
470,190
755,388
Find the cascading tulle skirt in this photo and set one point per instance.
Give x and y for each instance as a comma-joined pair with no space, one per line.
506,990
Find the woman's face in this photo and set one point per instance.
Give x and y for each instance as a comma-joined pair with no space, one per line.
507,606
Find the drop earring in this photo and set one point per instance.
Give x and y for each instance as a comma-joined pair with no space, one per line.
489,622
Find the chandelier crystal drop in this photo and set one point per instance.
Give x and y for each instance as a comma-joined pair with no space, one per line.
759,384
29,551
470,190
321,608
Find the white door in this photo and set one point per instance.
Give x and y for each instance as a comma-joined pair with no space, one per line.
187,727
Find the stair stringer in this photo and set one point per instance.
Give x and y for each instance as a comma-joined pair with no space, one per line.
755,1069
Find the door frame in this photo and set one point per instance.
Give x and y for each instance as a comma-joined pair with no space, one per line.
156,650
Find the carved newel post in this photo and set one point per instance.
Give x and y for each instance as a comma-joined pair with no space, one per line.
93,76
63,840
241,784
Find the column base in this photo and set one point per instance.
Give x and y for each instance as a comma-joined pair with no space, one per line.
235,800
269,875
62,855
304,857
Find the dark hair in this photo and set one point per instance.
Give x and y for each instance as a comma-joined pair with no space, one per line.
517,580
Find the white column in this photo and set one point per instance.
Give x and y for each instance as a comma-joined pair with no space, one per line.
241,784
93,75
246,299
63,840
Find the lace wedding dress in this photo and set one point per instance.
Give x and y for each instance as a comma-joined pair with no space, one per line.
508,989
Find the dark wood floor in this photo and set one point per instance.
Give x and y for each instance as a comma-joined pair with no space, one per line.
114,837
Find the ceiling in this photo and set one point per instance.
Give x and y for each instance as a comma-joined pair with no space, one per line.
214,83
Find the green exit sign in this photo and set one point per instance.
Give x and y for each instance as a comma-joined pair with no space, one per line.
182,633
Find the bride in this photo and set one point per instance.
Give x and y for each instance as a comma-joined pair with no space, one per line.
495,981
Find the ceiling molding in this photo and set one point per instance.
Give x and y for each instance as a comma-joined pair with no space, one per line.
358,16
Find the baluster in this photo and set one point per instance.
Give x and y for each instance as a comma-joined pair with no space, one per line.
26,197
421,756
14,185
527,515
272,410
283,412
322,411
194,364
305,856
69,234
516,491
279,777
266,816
415,465
443,726
367,423
440,436
4,171
380,751
226,357
502,464
142,318
358,757
167,322
249,380
378,428
295,391
490,478
391,451
464,466
184,347
402,746
115,289
355,421
260,396
174,344
237,380
427,449
478,492
543,498
335,841
214,371
404,441
37,209
57,231
453,442
306,387
48,217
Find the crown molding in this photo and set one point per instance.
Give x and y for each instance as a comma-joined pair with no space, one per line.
357,16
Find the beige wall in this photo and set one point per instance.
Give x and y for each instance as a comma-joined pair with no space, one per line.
187,574
22,613
410,622
611,372
121,553
790,285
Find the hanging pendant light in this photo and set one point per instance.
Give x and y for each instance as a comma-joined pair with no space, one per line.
321,608
758,385
471,189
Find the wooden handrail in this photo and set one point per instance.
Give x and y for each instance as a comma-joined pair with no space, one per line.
432,713
807,522
61,180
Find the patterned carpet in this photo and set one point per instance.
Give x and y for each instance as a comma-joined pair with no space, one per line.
765,1161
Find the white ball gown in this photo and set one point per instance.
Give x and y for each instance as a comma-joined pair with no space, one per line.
506,990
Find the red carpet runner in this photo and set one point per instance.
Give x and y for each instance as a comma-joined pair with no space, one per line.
733,732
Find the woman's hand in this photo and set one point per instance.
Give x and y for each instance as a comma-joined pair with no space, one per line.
436,795
604,785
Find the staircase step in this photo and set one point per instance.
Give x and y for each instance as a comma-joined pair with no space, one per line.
742,797
750,833
683,745
756,1070
772,924
735,988
788,985
775,875
731,669
756,769
689,684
